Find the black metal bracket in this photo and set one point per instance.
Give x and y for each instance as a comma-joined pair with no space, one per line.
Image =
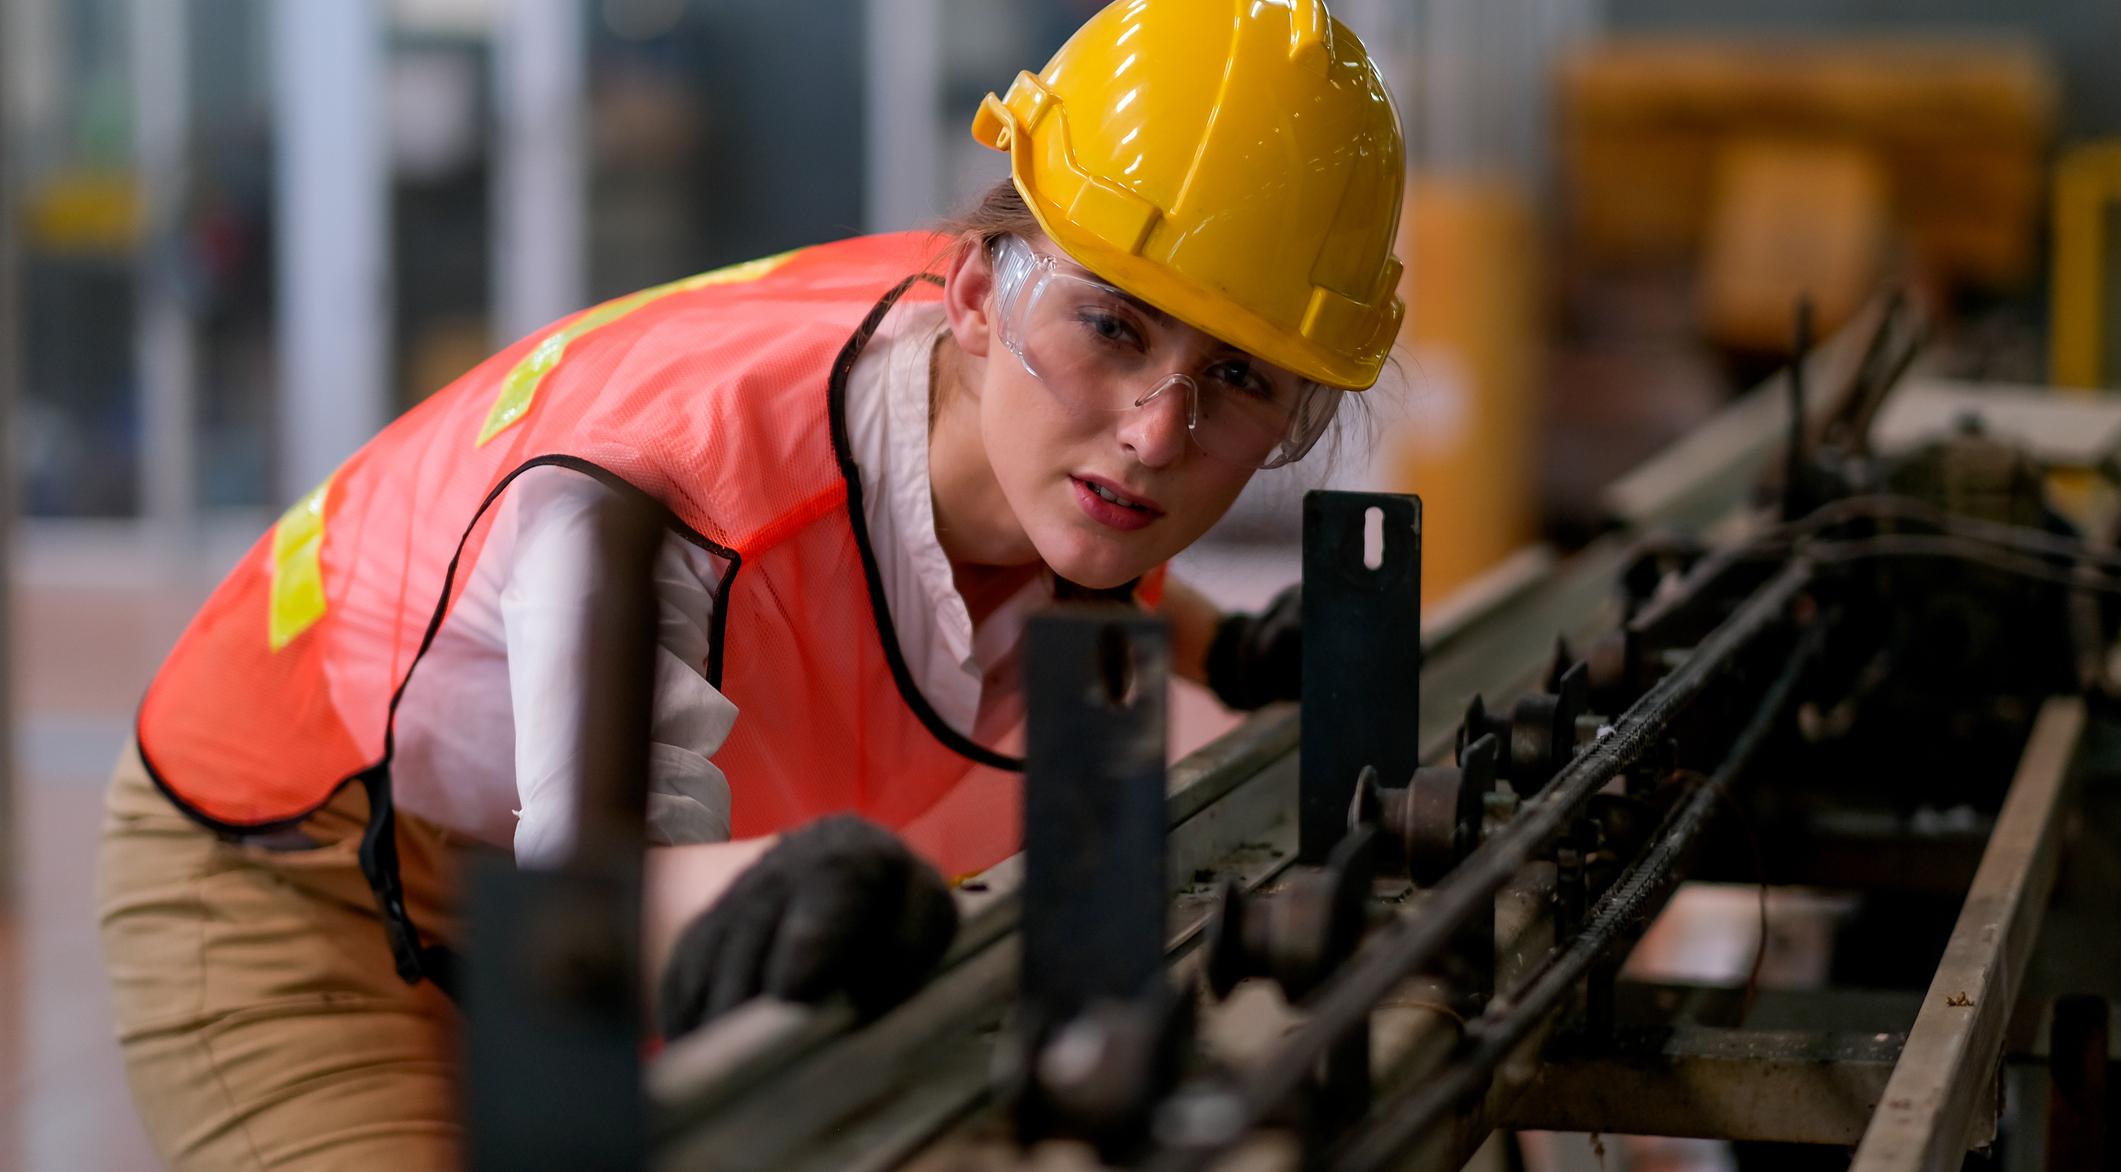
554,1035
552,977
1362,655
1100,1030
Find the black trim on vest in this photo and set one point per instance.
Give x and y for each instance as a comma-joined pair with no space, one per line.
718,623
872,573
379,845
378,850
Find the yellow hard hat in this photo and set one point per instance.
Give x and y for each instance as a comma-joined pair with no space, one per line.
1235,163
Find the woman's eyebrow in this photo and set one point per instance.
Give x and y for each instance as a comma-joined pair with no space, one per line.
1068,268
1161,318
1156,315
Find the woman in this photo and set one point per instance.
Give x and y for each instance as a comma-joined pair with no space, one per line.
872,471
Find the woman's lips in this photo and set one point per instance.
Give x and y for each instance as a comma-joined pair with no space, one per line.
1118,516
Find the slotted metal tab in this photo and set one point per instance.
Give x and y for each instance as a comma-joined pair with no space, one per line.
1362,655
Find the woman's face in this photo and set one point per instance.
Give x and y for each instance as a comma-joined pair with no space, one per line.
1102,490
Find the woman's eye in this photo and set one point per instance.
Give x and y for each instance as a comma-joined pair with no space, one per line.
1240,377
1110,327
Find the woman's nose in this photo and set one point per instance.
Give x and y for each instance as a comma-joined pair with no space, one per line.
1156,430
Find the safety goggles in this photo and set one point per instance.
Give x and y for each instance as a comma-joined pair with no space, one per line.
1097,349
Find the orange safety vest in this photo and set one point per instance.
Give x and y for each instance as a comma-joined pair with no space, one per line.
720,396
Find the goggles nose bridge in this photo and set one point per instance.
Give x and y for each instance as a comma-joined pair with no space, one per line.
1192,396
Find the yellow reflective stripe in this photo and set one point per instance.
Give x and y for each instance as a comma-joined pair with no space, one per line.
520,386
521,383
298,568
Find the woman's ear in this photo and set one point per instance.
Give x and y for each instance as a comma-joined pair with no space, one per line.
968,296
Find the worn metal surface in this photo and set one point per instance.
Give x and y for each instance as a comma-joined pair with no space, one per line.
1952,1051
1792,1086
1362,655
1827,1010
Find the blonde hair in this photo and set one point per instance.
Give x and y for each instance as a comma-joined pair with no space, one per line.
1000,212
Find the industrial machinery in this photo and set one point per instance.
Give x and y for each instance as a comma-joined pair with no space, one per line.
1373,932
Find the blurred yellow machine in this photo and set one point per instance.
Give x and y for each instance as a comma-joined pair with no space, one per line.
1471,351
84,211
1691,150
2085,306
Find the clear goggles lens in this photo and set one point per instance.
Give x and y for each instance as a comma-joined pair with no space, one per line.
1096,349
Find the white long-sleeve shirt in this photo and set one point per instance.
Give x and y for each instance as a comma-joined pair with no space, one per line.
487,726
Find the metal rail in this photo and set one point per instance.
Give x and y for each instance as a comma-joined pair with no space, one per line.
734,1081
1413,943
1227,793
1951,1054
1621,914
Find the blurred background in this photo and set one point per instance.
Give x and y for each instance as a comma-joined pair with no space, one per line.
237,236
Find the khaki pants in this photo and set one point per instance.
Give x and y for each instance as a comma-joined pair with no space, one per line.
262,1022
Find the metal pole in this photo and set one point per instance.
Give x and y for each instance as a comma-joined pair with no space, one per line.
540,186
12,120
903,56
164,343
331,234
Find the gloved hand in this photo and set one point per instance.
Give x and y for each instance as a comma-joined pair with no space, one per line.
838,906
1255,660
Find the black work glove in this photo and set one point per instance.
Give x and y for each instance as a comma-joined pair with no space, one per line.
1255,660
839,906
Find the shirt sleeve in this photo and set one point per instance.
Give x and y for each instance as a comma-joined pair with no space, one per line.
544,601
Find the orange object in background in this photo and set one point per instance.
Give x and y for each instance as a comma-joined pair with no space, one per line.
1472,350
1960,128
1791,219
94,212
2084,306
